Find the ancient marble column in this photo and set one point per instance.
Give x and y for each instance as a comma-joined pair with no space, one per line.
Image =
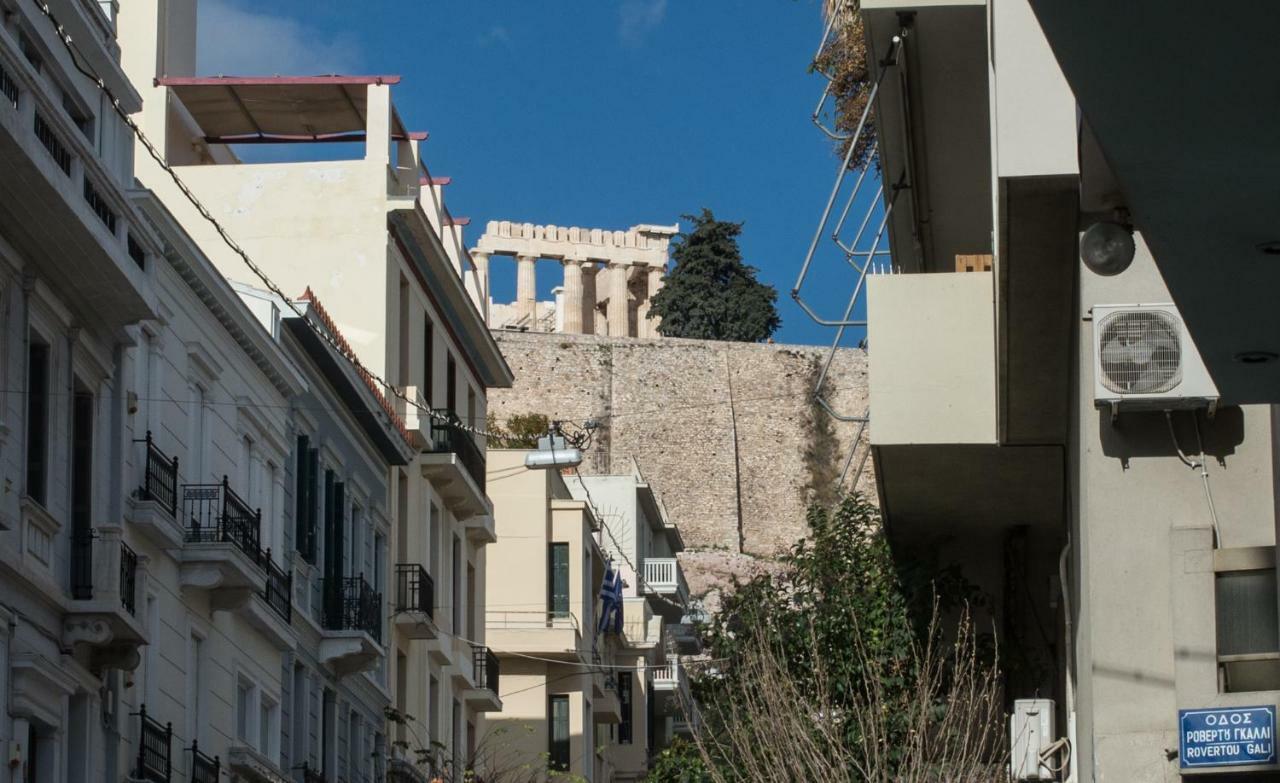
589,298
573,295
655,285
619,315
481,261
526,290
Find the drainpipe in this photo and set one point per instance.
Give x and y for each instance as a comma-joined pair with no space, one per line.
1069,648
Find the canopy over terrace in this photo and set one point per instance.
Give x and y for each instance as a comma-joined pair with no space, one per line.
282,109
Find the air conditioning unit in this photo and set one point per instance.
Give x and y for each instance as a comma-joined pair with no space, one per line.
1144,359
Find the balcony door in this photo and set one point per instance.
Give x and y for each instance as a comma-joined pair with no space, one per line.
558,579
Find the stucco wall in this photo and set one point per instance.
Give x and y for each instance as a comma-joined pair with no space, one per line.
718,428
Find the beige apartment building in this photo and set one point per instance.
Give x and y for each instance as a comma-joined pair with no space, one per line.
545,575
590,696
1041,411
370,238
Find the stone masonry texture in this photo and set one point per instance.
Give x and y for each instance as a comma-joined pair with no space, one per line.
718,428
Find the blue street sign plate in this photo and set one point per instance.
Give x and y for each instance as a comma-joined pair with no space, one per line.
1228,736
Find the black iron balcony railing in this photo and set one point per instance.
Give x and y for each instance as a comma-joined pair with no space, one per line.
310,775
214,513
82,565
203,768
9,88
278,592
415,590
128,579
352,605
485,667
82,587
449,437
160,477
154,763
49,138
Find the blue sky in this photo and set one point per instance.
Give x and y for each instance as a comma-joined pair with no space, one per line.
588,113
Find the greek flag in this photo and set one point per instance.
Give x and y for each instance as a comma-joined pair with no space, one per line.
611,601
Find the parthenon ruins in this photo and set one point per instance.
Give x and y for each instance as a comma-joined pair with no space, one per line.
632,264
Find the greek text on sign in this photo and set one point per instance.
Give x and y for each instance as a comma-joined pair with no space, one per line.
1228,736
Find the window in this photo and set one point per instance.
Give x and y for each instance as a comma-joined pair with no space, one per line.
625,680
404,331
1248,629
196,448
304,523
456,581
428,357
82,496
268,731
195,689
558,579
451,385
37,421
244,710
558,732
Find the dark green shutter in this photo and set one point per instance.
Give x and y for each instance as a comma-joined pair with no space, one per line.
558,731
558,579
302,497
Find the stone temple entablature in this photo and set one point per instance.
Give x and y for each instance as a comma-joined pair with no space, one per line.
610,277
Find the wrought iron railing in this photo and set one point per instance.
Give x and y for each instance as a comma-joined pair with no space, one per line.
154,763
449,437
352,605
82,565
310,775
415,589
485,668
278,592
49,138
8,88
99,205
214,513
128,579
203,768
160,477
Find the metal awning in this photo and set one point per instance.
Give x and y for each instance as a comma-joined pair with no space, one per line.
267,109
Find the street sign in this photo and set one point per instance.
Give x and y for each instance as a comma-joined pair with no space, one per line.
1227,736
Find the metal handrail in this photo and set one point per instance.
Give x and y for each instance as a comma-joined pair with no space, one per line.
352,605
160,477
530,619
449,436
203,768
415,589
154,762
214,513
278,590
485,667
128,579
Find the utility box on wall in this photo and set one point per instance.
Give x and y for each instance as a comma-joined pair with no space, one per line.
1031,731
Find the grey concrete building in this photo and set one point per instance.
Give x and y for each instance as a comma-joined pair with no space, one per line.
1041,413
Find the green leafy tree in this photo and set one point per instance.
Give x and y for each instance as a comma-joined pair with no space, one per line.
522,431
840,665
710,293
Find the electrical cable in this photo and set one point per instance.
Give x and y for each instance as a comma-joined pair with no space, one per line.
1197,465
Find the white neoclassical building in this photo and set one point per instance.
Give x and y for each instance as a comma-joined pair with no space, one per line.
610,277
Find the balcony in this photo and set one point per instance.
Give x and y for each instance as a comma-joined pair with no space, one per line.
664,577
153,508
154,763
670,688
248,765
485,671
547,634
106,581
60,206
203,768
221,551
352,640
455,465
415,602
272,612
956,447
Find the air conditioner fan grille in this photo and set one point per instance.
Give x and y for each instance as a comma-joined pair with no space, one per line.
1141,352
